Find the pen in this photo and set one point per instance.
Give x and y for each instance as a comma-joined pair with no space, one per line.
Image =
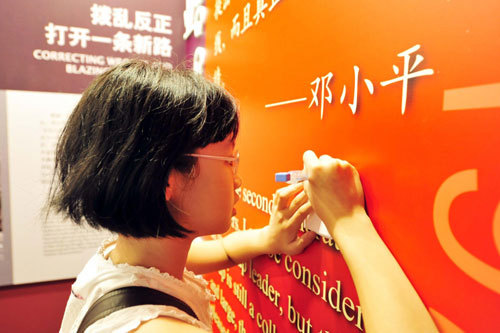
290,177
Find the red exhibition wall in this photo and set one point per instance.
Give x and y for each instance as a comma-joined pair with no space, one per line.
409,93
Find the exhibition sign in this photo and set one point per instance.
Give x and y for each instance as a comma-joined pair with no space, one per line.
408,92
61,45
51,52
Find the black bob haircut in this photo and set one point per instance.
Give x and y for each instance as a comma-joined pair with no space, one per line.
131,128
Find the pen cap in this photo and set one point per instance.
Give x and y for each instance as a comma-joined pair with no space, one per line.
282,176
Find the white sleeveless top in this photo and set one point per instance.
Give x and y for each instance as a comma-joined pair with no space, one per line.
101,275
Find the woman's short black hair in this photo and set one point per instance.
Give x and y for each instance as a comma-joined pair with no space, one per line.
131,128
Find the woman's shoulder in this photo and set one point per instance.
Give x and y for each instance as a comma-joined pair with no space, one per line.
167,324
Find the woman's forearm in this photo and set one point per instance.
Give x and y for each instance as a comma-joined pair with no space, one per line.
291,207
389,301
237,247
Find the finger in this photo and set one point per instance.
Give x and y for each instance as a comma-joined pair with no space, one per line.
310,159
297,202
283,195
287,191
301,243
326,158
299,215
237,181
342,163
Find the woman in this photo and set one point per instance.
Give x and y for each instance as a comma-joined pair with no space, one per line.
149,153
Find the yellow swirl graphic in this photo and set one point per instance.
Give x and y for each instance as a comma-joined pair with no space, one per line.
457,184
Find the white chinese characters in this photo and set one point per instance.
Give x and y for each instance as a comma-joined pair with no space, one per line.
195,17
322,94
324,81
143,42
250,19
408,73
118,17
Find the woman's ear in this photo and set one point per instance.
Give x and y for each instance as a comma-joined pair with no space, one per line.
168,192
172,184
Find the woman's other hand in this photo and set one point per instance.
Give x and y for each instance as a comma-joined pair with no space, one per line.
290,208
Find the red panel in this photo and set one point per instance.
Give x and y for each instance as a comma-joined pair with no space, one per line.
34,307
414,165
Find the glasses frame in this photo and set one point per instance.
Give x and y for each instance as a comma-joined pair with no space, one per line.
234,160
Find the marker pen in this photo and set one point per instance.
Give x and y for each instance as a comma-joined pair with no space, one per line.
290,177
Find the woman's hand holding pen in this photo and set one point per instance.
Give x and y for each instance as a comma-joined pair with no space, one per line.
389,301
334,190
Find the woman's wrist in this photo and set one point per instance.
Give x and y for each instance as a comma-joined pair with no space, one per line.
265,242
226,251
356,224
243,245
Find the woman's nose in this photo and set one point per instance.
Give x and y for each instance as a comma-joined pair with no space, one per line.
237,181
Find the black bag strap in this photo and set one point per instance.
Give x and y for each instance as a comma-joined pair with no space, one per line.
126,297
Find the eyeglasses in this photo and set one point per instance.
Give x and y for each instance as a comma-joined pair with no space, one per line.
233,161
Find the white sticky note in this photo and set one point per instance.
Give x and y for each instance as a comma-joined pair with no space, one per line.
314,223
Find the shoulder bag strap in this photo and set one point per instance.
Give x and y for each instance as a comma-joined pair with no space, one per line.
126,297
